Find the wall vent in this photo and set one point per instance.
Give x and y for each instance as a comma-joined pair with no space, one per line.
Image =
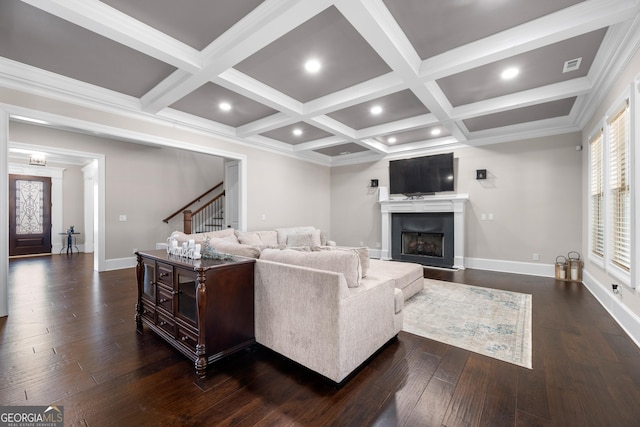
571,65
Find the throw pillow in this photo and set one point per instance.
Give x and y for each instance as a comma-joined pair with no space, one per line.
248,238
282,233
299,239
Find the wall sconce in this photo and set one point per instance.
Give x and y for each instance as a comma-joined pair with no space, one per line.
481,174
38,160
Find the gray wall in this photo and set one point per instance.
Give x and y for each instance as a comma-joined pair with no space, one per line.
533,191
147,183
144,183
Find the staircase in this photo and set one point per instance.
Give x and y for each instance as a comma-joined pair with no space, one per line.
208,217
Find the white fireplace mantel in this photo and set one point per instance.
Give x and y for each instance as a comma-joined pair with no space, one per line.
439,203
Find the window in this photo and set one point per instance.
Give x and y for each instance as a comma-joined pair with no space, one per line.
596,196
610,193
619,189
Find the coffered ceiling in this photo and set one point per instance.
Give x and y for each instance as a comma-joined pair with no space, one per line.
395,78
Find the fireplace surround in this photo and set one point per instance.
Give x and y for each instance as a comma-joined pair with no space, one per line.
453,203
423,237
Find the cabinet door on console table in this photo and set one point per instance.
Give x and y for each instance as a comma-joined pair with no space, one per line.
204,308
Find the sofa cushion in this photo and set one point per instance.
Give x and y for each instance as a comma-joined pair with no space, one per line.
345,262
362,252
304,239
398,300
200,238
403,273
258,238
227,247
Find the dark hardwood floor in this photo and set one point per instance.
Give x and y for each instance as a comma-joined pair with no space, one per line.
70,339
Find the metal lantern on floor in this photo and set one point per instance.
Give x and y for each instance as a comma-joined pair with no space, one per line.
561,268
575,266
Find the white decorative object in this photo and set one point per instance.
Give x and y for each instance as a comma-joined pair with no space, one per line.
187,250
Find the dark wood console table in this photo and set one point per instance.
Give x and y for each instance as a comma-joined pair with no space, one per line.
204,308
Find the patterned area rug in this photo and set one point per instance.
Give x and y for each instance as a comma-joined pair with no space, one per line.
491,322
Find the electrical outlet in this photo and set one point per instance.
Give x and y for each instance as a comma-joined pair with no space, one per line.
122,218
536,257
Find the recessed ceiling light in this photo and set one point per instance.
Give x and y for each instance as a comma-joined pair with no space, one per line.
225,106
297,131
376,109
510,73
436,131
312,66
392,140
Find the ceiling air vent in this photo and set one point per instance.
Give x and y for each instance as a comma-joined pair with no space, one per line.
571,65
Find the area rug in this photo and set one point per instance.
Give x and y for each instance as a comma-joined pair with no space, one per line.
491,322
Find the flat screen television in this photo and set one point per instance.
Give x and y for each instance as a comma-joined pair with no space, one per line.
421,175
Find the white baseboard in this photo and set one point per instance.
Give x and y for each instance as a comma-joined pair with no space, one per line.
120,263
529,268
611,302
375,253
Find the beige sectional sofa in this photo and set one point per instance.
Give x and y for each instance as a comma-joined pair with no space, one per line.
325,307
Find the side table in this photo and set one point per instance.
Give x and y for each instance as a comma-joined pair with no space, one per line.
70,242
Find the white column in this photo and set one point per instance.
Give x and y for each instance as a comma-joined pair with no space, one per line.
4,213
88,173
458,233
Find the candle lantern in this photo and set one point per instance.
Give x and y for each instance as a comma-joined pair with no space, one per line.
574,266
561,268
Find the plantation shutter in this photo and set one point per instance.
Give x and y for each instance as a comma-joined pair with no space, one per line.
620,189
597,196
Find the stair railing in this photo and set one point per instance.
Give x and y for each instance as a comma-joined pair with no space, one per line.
209,217
197,199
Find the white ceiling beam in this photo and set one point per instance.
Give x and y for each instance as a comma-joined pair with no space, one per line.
45,83
266,124
268,22
241,83
102,19
375,23
619,45
537,129
319,143
575,20
553,92
328,124
366,91
398,126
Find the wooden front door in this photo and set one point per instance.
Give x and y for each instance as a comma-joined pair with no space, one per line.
29,215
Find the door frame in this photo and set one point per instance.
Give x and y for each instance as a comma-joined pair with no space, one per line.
56,174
